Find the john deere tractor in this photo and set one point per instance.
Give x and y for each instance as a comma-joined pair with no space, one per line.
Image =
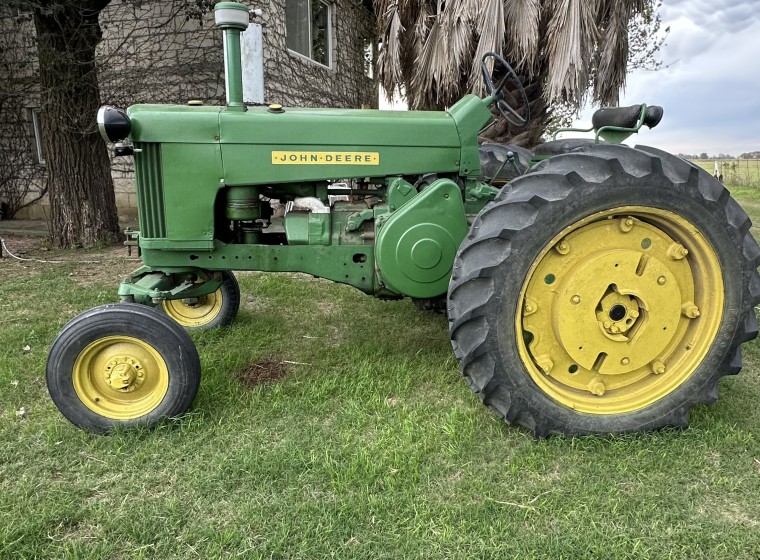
590,287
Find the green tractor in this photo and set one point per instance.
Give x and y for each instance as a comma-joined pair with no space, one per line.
590,287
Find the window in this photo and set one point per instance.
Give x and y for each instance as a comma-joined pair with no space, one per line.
369,58
39,149
309,29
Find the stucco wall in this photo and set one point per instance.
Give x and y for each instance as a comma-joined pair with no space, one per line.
291,79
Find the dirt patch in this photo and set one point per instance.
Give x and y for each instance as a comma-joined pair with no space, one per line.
105,269
269,369
24,246
106,265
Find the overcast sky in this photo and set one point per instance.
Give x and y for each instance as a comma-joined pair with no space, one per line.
711,89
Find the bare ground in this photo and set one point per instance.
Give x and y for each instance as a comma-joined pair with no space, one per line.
23,254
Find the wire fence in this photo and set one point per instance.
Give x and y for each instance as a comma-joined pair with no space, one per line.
734,172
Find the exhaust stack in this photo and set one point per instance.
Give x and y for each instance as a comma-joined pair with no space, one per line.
232,18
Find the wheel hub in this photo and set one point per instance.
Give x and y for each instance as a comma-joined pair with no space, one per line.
195,311
612,305
124,374
622,313
120,377
617,313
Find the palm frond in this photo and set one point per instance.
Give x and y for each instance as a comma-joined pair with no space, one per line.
389,64
490,26
560,48
460,20
522,19
570,40
612,58
444,52
430,65
613,52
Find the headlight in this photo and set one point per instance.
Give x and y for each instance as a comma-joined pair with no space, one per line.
113,123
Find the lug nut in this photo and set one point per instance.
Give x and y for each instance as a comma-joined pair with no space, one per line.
626,225
598,388
690,310
625,361
575,300
661,280
658,368
562,247
545,363
677,251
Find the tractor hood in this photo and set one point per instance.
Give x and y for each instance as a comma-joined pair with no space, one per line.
271,145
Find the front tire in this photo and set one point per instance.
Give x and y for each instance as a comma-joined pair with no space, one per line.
122,365
217,309
607,291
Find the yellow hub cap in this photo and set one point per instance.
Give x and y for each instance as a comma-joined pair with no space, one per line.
120,377
619,310
194,312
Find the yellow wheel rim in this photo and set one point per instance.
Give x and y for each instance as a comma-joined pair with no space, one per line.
197,312
120,377
619,310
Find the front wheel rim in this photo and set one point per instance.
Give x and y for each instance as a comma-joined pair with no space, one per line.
120,377
619,310
196,313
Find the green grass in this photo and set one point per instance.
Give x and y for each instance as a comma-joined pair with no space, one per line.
370,446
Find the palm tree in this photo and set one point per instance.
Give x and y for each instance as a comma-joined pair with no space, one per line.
563,50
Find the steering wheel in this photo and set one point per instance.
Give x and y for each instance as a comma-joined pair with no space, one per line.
497,91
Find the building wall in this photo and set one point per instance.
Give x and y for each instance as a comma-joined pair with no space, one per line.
291,79
158,53
18,92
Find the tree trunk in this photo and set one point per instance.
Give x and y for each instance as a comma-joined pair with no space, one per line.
80,187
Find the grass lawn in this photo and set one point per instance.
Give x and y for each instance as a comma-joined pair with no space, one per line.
331,424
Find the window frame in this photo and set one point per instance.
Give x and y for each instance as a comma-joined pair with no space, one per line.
330,6
36,123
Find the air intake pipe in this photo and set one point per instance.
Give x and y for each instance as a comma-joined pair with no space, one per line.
232,18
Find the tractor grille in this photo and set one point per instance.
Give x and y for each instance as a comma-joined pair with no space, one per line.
150,190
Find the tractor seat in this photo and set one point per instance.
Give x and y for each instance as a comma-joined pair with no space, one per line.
626,117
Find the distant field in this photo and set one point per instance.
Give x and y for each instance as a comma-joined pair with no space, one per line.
736,172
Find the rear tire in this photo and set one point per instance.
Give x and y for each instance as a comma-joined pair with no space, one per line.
122,365
574,309
495,166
